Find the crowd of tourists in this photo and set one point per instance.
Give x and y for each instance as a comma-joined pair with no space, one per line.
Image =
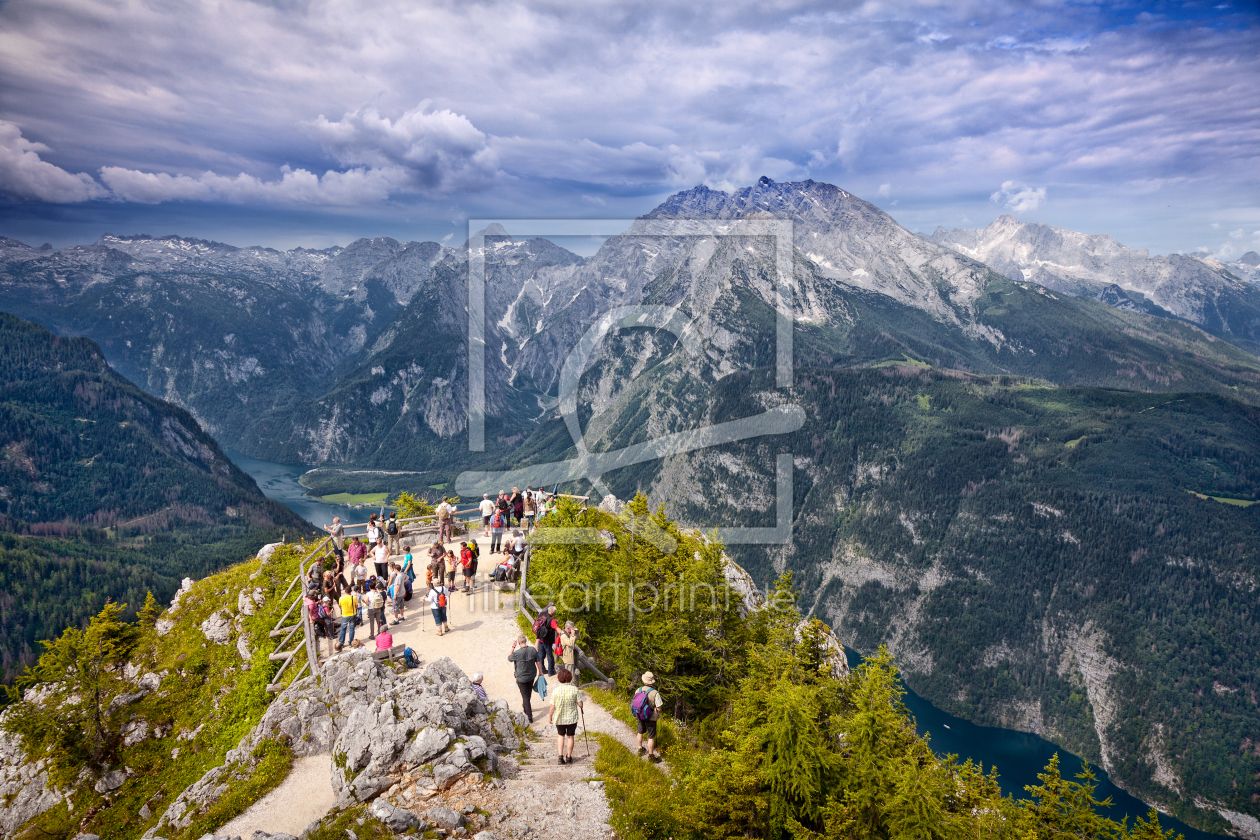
367,582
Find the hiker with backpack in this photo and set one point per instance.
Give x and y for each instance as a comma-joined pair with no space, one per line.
466,565
646,708
524,659
445,511
439,597
393,531
498,521
546,629
376,610
566,704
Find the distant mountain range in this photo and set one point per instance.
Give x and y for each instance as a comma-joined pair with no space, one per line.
1013,446
1222,299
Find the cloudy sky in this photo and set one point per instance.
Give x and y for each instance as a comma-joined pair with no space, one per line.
313,122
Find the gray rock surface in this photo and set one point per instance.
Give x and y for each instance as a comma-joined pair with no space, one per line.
218,627
24,786
377,724
398,819
445,818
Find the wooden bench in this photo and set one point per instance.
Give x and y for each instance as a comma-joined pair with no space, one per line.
394,654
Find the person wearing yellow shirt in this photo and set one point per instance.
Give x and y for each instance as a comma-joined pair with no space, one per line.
349,603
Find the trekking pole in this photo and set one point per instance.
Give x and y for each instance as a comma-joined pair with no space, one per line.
585,735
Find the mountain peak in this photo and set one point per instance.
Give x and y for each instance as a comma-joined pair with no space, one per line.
1250,258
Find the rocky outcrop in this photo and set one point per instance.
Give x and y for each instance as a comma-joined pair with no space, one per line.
24,786
378,724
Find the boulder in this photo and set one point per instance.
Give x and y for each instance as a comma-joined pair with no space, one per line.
164,626
264,553
398,819
218,627
444,818
112,780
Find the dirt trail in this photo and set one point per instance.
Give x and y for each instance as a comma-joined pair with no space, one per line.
483,627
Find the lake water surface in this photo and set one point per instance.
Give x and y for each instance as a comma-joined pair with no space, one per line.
1018,756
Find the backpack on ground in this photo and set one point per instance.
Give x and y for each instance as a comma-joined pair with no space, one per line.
641,704
410,657
392,528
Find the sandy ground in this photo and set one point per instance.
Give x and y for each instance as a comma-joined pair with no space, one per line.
483,627
302,798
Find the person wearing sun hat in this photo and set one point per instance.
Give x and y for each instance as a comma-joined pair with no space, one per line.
648,727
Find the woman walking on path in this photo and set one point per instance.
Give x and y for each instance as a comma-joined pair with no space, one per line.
380,557
439,597
565,705
568,650
524,661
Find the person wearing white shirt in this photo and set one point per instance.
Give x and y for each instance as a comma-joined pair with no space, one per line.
487,510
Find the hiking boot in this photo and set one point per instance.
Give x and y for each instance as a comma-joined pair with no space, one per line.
561,760
641,751
654,758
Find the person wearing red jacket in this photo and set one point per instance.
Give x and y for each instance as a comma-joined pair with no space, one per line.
467,560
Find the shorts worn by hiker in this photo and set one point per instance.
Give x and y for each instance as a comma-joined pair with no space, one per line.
648,728
568,729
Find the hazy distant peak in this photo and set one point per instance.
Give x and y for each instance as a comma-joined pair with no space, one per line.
1250,258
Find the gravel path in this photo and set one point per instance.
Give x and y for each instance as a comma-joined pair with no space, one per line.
544,795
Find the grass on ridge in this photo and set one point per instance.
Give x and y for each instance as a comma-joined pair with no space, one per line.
355,498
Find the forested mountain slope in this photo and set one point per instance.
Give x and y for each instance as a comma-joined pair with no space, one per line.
105,491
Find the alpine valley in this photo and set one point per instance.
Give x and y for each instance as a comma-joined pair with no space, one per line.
1028,464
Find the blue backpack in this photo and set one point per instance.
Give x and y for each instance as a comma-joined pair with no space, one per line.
409,656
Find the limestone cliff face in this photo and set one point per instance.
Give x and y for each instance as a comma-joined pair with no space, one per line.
378,724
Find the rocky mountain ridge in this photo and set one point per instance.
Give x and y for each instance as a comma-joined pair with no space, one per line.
1201,291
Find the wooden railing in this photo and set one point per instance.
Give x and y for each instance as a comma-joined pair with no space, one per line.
526,602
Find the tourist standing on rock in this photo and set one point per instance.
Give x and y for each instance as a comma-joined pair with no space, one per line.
546,629
444,513
338,532
566,701
439,602
380,558
487,510
568,650
393,531
524,660
646,708
349,604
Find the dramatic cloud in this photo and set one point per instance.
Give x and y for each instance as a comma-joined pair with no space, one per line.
24,175
441,151
1019,198
503,107
355,186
